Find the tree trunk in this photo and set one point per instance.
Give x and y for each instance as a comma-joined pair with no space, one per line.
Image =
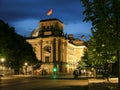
118,58
117,28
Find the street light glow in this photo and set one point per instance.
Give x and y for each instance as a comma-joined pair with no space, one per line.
26,63
2,59
55,69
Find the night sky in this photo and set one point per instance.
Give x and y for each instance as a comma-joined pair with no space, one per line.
24,15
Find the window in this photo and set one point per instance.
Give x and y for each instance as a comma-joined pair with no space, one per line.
48,27
51,26
43,27
47,59
47,48
46,41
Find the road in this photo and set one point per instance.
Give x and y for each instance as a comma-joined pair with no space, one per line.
43,84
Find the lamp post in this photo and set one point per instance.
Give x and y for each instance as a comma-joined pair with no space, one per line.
26,64
2,60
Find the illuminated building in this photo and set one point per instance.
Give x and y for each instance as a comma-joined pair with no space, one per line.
52,48
74,54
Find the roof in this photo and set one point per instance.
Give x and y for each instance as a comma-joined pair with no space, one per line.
51,19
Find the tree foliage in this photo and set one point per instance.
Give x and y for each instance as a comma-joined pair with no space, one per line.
98,54
105,41
14,48
81,65
105,17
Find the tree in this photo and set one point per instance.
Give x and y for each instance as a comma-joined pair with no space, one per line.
105,18
98,55
81,65
14,48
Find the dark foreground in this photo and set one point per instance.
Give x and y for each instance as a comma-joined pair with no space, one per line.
104,86
100,84
65,82
43,84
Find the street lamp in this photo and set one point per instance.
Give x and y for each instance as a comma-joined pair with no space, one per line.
2,60
26,64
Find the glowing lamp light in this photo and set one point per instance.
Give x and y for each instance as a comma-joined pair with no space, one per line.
55,69
2,59
67,65
26,63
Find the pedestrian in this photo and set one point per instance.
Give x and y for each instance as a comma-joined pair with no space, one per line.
43,72
107,75
0,77
75,73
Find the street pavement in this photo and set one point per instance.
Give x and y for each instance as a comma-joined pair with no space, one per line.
48,82
57,82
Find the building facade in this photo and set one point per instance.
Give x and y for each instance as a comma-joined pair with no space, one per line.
74,55
52,48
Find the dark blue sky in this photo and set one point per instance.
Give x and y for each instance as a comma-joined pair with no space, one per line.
24,15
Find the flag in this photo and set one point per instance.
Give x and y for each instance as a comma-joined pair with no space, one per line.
49,12
83,36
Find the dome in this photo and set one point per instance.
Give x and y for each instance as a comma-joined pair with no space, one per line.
35,33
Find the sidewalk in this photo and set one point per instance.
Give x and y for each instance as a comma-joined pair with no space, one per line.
14,77
100,84
52,76
58,76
